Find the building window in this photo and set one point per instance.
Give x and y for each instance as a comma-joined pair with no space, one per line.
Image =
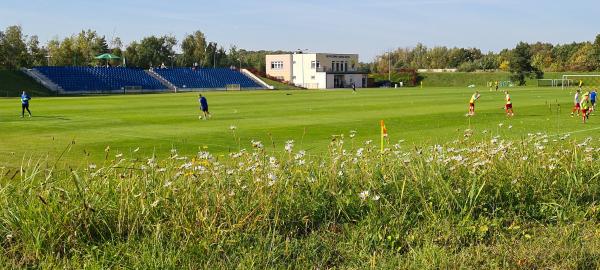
345,66
293,77
277,65
312,77
313,64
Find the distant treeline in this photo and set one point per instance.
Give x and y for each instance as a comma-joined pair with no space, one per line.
19,50
576,56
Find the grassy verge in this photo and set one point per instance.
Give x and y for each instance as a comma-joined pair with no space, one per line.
493,203
280,85
480,79
13,82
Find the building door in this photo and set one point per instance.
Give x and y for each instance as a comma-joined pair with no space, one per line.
338,81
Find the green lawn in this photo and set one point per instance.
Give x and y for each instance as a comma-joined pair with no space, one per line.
157,123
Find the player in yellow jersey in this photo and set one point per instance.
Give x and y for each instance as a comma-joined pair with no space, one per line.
585,106
496,84
580,84
474,98
508,107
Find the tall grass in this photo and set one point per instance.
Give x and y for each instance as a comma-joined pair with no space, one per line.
473,204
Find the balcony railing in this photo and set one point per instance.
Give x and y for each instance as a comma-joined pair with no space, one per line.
330,70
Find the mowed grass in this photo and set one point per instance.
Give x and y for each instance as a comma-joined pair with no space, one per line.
83,127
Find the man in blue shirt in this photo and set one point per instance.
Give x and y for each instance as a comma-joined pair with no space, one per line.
203,107
25,104
593,99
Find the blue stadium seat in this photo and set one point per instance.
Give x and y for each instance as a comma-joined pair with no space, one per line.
206,78
95,79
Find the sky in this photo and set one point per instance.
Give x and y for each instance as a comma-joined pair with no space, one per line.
367,27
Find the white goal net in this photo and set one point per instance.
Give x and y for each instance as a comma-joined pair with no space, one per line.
584,81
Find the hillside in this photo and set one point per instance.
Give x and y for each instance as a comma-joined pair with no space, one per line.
12,82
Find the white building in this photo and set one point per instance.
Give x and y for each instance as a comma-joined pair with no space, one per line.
317,70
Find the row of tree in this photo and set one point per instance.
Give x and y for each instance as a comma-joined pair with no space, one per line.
576,56
19,50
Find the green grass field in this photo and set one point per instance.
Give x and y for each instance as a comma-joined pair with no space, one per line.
156,123
77,193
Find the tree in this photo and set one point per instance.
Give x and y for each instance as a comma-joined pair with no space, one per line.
37,55
595,54
520,64
150,51
14,49
583,58
194,49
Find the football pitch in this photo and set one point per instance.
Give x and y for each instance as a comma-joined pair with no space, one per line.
77,130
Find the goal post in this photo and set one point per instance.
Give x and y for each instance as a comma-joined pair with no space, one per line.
583,80
233,87
549,82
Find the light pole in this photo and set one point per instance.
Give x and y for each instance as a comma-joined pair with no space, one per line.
390,67
240,59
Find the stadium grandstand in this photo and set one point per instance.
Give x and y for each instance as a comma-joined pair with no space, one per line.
206,78
121,79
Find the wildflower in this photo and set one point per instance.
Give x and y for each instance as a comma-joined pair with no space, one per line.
311,180
501,124
273,161
136,150
301,162
107,149
173,151
364,195
151,162
232,127
169,183
229,172
161,170
118,155
300,154
375,198
340,173
352,133
368,142
257,144
509,126
92,166
186,166
289,145
359,152
524,158
155,203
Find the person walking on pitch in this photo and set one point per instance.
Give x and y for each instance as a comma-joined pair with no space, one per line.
593,100
585,106
203,107
25,104
576,106
474,97
508,107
